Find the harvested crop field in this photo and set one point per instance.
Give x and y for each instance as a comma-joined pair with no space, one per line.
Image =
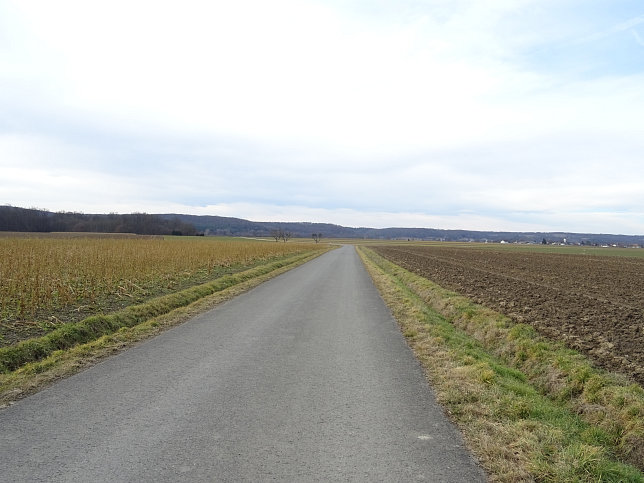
47,280
594,304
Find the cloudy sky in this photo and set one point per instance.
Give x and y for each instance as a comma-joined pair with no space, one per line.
474,114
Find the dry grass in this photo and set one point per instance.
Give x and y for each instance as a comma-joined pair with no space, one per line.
42,279
35,375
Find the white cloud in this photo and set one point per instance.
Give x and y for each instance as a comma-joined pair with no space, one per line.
360,111
623,26
637,37
279,70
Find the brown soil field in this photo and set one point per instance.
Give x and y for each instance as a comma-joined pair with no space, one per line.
594,304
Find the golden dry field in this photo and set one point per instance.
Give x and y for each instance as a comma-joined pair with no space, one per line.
47,280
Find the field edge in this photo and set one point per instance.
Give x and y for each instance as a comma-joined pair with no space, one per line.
495,404
35,375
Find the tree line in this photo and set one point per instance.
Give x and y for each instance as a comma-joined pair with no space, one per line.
35,220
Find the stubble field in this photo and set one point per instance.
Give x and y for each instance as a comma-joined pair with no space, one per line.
49,279
595,304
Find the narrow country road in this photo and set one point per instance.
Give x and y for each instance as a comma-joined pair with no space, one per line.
304,378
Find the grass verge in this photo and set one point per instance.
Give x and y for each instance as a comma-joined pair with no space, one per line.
32,364
530,409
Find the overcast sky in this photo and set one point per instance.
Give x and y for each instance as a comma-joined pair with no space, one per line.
476,114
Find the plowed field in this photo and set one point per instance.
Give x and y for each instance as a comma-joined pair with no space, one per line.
594,304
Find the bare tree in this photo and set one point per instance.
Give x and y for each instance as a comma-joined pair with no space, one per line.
317,237
281,234
277,234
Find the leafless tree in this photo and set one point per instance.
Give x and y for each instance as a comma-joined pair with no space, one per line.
317,237
281,234
277,234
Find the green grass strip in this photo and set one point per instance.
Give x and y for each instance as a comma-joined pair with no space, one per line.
491,375
71,334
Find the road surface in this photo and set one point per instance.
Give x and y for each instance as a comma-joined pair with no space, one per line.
304,378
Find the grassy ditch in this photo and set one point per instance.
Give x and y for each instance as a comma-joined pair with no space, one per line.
529,408
20,362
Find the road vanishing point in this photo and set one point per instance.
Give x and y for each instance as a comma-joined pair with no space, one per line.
304,378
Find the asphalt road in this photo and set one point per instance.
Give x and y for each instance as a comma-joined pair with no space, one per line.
304,378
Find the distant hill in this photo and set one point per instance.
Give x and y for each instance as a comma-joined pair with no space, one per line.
34,220
226,226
